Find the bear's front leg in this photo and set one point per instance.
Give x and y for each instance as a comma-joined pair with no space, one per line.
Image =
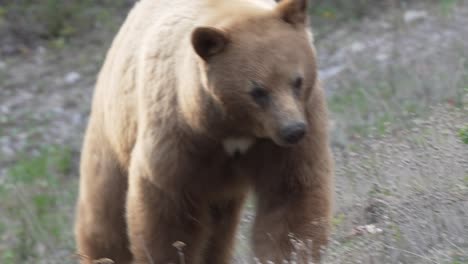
293,228
100,226
293,211
224,220
160,218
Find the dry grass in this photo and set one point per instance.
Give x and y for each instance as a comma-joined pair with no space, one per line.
412,186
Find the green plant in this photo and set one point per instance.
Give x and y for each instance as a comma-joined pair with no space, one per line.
8,257
459,260
38,199
338,220
352,98
343,9
2,12
447,5
463,134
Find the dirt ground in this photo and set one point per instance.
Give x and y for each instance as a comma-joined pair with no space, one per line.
397,86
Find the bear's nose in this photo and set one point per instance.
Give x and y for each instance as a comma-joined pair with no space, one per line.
292,133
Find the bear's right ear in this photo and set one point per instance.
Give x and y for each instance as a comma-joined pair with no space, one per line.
293,11
208,41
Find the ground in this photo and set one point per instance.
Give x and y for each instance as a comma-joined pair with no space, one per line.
397,87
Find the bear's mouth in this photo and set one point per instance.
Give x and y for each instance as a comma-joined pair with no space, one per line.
237,146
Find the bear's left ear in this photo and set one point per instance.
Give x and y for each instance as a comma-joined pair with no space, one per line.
208,41
293,11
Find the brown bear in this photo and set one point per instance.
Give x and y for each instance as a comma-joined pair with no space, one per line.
198,103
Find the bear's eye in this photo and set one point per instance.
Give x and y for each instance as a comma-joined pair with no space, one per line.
297,85
259,94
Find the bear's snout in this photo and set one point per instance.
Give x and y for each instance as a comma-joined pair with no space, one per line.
293,133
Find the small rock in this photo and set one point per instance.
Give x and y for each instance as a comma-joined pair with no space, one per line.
76,119
5,109
330,72
364,230
7,151
41,50
382,57
72,77
8,49
411,16
385,25
332,125
372,229
357,47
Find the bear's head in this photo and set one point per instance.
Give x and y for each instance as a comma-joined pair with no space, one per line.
260,69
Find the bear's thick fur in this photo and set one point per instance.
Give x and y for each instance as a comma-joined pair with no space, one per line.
199,102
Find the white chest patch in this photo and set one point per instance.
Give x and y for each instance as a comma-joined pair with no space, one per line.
266,4
236,146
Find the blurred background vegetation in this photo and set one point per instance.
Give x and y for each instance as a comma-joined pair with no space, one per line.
28,21
396,77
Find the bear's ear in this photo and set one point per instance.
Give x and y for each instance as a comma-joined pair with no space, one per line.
293,11
208,41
